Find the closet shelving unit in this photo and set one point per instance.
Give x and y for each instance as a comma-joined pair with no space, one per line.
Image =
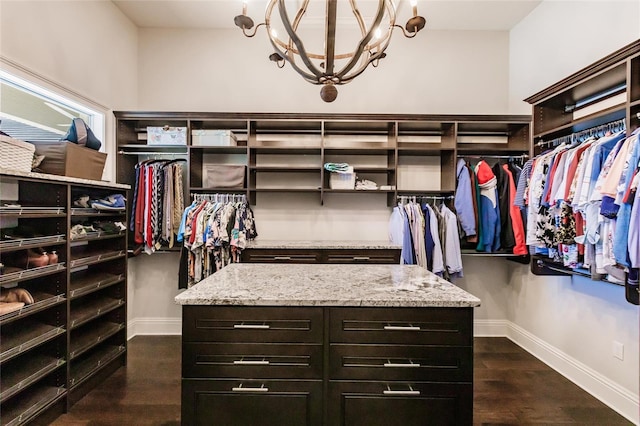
43,349
603,92
414,155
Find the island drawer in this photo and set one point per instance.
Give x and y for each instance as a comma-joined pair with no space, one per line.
281,256
255,360
421,326
248,324
376,256
251,402
399,403
401,362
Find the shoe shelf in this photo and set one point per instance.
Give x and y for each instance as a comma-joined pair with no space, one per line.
92,281
22,373
28,243
89,212
22,410
32,212
90,310
90,365
42,301
96,257
88,337
29,335
31,273
98,235
79,308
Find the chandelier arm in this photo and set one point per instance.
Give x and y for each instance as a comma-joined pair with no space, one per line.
296,40
364,42
255,30
358,16
296,21
405,32
330,37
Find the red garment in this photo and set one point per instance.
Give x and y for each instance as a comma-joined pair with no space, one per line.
580,225
149,201
192,237
516,218
551,175
572,170
138,233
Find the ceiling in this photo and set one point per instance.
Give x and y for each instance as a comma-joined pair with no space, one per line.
499,15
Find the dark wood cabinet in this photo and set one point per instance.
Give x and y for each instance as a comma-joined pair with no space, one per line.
348,366
73,335
321,255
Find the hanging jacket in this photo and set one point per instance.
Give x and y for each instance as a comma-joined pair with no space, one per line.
464,200
489,208
507,240
520,247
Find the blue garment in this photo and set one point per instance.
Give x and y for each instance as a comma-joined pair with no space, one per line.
132,222
490,215
464,200
180,236
429,244
407,254
620,238
396,226
600,153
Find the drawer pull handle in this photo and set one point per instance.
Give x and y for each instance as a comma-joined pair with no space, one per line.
252,326
401,365
402,328
241,389
282,258
256,362
361,258
411,391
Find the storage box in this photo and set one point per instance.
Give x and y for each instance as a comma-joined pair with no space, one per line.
166,135
345,180
208,137
16,154
229,176
69,159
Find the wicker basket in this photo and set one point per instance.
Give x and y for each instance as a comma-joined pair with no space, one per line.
16,154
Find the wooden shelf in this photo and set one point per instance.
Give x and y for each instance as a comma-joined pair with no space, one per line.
285,169
96,236
29,335
91,282
31,273
36,242
87,338
24,372
600,117
89,366
96,256
91,310
42,301
31,403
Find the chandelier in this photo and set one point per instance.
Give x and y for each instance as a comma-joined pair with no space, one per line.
329,66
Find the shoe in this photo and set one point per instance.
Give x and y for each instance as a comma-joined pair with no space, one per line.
82,201
16,294
35,259
112,202
53,257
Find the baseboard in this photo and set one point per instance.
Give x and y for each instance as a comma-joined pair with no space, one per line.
154,326
490,328
610,393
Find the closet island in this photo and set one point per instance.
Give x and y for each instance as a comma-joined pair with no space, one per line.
320,344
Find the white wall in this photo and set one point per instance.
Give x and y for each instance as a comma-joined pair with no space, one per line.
559,38
577,317
437,72
87,48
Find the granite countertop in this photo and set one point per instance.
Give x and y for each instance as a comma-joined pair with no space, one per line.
259,284
58,178
317,244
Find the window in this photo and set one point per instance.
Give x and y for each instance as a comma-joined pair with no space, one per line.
32,113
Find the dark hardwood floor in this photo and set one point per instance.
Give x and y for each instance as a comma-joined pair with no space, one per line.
511,387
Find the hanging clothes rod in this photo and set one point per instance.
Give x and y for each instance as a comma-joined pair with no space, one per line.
597,131
150,153
494,156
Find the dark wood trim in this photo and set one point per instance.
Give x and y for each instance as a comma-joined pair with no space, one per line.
606,62
251,116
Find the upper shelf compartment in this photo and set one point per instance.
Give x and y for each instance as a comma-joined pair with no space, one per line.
595,95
